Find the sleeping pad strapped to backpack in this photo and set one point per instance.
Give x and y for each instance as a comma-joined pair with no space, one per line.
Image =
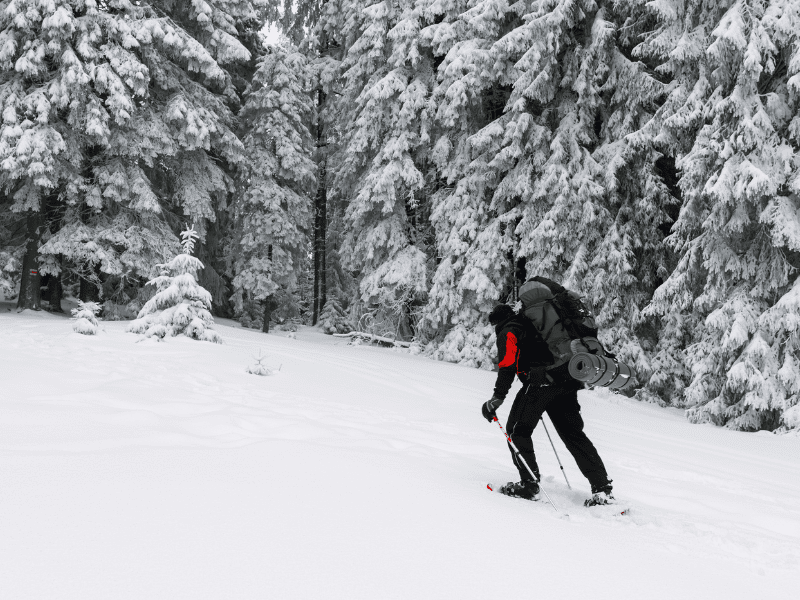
560,317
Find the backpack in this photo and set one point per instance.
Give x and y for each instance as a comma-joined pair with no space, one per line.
560,317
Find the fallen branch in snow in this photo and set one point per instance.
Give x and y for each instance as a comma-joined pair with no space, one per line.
369,337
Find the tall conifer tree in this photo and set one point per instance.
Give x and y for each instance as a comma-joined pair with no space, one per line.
317,27
274,211
532,137
129,126
384,124
739,226
472,242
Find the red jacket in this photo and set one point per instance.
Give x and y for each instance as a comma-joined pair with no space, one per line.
519,349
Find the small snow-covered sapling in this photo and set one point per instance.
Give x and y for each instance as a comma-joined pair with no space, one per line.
259,368
181,305
86,318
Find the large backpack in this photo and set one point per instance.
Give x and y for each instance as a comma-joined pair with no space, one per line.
560,317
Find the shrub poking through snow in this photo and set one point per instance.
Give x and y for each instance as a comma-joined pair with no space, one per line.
86,318
259,368
181,305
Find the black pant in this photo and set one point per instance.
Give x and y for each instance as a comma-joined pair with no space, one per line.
562,407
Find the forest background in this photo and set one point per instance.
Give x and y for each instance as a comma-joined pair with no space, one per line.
401,166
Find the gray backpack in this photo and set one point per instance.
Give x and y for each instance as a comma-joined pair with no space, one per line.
560,317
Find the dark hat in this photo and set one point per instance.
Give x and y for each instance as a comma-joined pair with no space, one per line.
500,313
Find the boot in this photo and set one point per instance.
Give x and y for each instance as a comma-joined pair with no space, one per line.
527,489
601,494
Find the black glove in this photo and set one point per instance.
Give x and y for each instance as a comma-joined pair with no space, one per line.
489,407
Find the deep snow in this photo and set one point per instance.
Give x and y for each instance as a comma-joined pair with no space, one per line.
163,470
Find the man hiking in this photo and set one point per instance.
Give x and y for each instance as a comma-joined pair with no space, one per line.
523,352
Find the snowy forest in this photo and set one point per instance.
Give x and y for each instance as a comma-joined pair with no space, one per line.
400,166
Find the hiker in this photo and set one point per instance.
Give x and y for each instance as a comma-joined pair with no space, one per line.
523,352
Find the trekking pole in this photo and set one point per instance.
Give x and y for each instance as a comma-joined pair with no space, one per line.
519,456
556,453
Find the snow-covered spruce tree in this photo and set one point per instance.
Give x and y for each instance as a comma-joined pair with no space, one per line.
86,318
340,283
316,28
534,105
781,323
200,47
244,22
383,122
333,318
472,242
201,51
8,266
181,305
9,263
678,46
273,212
117,112
732,121
621,257
68,77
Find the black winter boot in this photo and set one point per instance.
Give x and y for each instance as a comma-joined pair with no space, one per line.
601,494
527,489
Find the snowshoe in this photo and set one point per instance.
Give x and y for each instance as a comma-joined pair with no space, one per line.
600,499
601,495
527,489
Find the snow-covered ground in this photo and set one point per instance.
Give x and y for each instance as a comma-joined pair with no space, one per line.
164,470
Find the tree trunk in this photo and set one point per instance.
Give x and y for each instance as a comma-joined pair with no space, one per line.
54,210
89,291
320,239
55,292
315,304
30,293
267,314
269,302
320,213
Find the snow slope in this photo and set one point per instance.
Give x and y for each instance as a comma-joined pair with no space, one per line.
163,470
